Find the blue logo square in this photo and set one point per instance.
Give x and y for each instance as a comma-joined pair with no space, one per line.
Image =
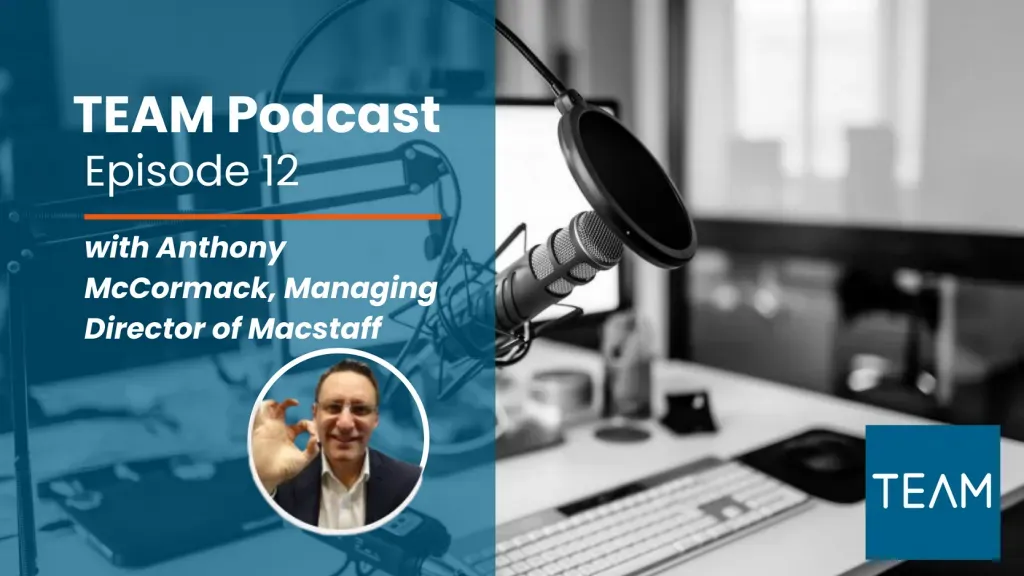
933,493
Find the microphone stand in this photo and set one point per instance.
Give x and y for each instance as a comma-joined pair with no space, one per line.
18,247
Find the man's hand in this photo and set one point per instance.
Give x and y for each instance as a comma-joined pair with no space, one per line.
274,453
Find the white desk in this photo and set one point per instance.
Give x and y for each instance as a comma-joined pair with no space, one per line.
825,540
828,539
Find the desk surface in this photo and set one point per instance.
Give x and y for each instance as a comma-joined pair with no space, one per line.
827,539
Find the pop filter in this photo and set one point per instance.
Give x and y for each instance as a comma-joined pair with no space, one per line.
620,178
624,183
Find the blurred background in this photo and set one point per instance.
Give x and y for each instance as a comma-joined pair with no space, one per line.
853,168
852,165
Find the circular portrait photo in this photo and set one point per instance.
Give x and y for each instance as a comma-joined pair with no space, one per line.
331,441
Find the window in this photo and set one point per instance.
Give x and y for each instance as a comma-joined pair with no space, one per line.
804,72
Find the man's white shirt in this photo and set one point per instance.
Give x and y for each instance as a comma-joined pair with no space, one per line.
342,508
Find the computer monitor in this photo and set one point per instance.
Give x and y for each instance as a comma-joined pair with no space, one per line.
533,185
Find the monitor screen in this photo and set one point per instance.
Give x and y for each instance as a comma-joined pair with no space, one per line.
533,186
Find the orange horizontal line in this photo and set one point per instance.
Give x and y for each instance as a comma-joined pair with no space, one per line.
262,216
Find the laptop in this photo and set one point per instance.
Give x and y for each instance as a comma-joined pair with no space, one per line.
143,512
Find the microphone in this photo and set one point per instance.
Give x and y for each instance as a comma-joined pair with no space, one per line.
632,196
548,272
543,276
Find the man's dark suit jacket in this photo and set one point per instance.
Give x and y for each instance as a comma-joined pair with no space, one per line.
389,485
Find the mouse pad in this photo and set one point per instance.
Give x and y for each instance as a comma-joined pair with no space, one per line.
826,464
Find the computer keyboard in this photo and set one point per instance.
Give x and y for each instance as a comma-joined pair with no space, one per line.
642,527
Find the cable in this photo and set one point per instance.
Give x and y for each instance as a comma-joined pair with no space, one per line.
556,85
297,51
446,249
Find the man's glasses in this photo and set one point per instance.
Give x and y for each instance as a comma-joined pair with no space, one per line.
357,409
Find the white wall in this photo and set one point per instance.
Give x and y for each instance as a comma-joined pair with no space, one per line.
973,152
650,114
709,100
